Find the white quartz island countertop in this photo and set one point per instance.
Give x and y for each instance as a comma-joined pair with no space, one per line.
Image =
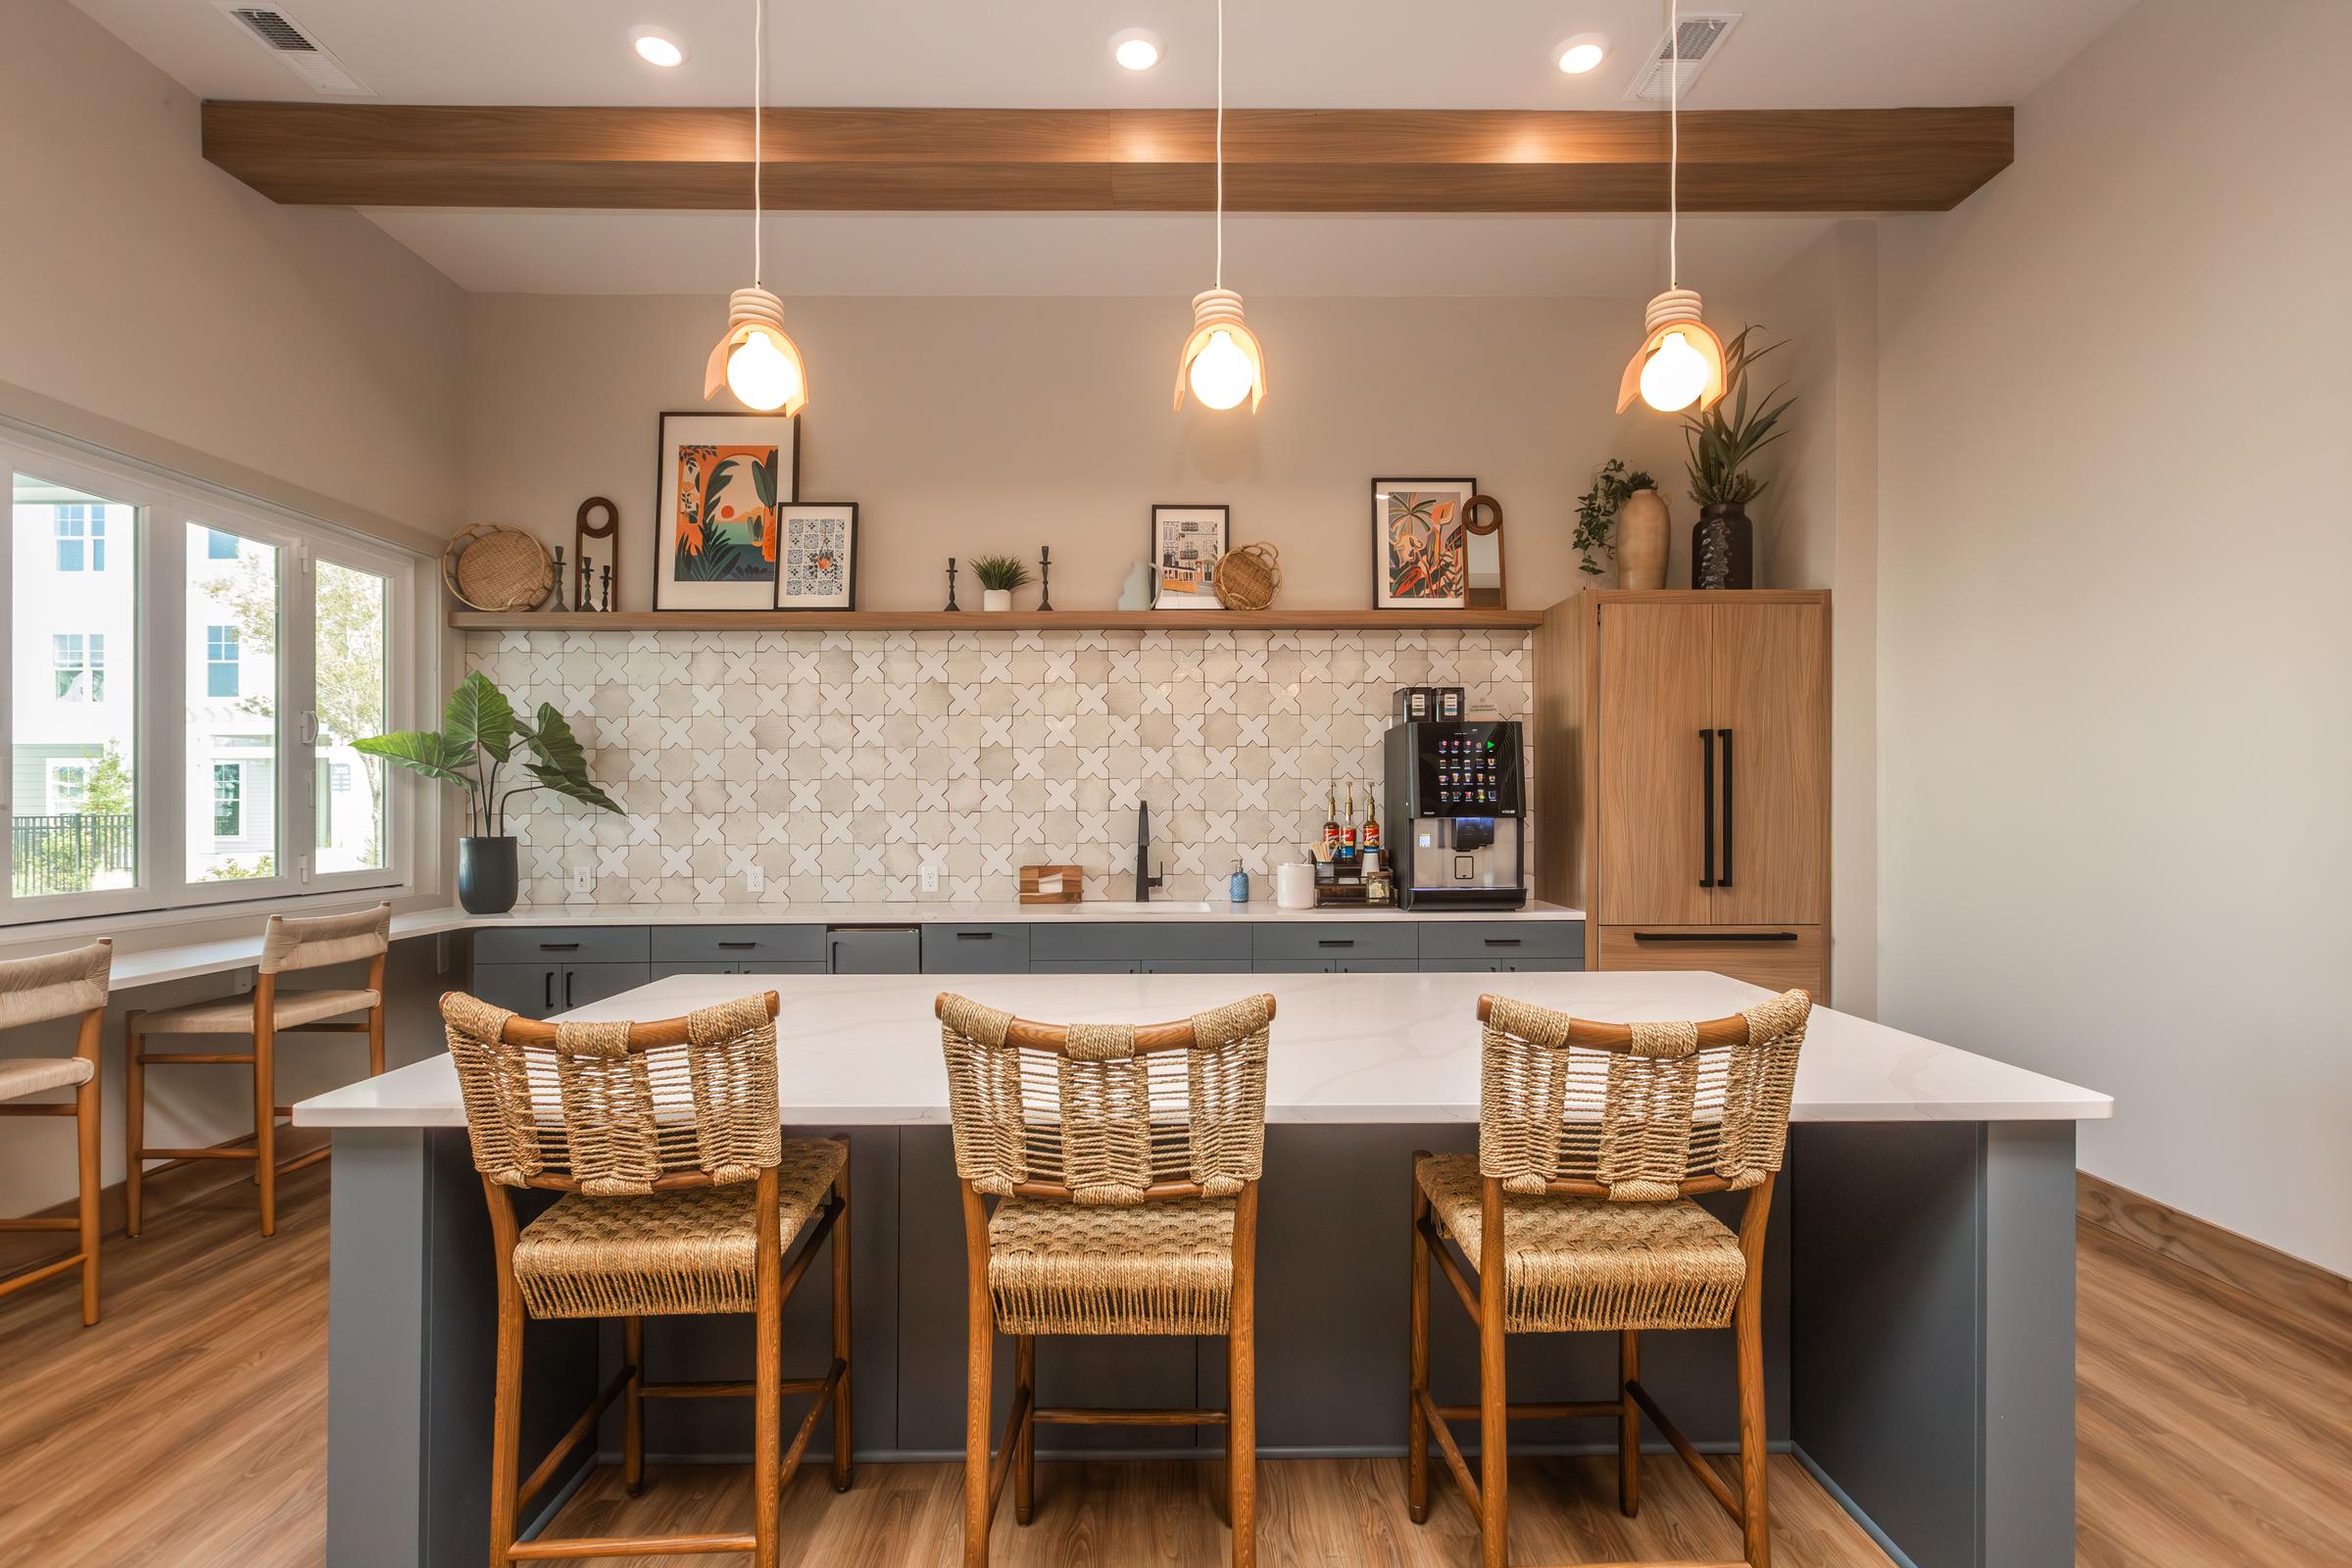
864,1050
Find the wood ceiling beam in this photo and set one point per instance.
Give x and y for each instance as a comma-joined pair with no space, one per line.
1109,160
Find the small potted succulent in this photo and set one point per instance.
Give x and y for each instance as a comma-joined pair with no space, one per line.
480,734
999,576
1723,440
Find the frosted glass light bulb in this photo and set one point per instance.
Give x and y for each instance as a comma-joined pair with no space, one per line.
1222,375
1675,375
763,375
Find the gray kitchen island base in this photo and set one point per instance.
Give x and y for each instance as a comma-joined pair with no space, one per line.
1919,1334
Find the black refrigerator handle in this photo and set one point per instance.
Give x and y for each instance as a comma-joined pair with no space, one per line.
1725,880
1706,797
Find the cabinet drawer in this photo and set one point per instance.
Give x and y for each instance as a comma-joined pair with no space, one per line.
1332,940
750,945
1083,966
565,944
1774,957
975,949
526,987
1502,939
1172,941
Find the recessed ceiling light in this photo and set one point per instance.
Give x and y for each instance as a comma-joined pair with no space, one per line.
1582,53
658,46
1136,49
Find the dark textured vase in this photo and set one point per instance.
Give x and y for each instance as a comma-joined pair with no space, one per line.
1722,548
486,880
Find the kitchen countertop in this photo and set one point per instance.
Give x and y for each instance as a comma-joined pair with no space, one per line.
154,966
863,1050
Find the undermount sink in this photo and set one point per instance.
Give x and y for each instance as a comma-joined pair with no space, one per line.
1162,905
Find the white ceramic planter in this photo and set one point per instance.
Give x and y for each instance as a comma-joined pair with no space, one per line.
996,599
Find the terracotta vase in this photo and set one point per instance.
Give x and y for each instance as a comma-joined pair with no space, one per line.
1641,541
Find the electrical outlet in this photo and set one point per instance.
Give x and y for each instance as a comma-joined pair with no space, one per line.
583,880
930,877
754,881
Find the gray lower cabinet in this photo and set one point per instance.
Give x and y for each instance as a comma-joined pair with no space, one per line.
1323,946
536,990
743,949
1085,966
874,950
975,949
662,970
1484,944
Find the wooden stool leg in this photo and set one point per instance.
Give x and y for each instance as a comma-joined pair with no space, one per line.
134,1121
1024,1453
506,1423
376,1041
1493,1456
1241,1382
632,1409
980,1336
1629,1424
85,1127
1755,1523
767,1390
1416,1420
844,1449
264,1116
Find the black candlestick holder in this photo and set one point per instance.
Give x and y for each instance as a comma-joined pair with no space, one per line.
558,603
951,605
1044,569
604,598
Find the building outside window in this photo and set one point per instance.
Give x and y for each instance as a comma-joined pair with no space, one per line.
228,800
221,661
69,787
80,531
219,546
79,662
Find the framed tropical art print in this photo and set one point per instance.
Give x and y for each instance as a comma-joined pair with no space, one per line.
817,555
1418,536
722,479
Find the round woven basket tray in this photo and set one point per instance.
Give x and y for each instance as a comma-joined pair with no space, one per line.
498,568
1248,578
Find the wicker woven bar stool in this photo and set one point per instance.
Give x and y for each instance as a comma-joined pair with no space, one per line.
1575,1215
681,1195
1124,1162
60,985
289,943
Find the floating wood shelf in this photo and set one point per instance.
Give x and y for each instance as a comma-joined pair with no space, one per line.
1001,620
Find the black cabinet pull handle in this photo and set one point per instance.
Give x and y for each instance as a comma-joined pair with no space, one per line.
1335,941
1502,941
734,946
568,974
1714,936
1725,880
1707,796
975,936
559,946
550,990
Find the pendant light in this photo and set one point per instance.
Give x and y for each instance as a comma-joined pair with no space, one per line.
756,358
1221,361
1680,360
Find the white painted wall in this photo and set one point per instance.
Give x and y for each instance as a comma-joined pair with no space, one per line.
2115,550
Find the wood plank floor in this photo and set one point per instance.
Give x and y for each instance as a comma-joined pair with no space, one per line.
188,1431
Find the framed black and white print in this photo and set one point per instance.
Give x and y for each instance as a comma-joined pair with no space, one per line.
1186,542
817,555
719,481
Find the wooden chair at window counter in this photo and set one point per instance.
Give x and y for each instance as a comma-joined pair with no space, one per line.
60,985
1683,779
289,943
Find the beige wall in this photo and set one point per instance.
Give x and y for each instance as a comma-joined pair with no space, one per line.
2116,552
150,302
964,426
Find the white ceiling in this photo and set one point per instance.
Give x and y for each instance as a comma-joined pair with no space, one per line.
1055,53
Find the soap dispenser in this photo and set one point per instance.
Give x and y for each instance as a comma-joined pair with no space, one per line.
1237,887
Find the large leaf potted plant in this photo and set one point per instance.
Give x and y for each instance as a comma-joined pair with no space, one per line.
1723,440
480,734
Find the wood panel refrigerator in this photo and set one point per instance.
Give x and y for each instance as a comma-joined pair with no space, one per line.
1682,789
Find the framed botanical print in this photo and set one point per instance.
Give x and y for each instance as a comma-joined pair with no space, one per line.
1418,556
1186,542
721,479
817,555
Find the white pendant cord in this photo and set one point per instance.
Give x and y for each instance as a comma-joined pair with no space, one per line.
1673,133
1220,143
758,110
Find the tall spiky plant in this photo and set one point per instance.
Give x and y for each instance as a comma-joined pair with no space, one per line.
1725,439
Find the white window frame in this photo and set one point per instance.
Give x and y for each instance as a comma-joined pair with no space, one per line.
165,507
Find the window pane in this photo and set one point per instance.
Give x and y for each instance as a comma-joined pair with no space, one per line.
232,745
352,617
73,741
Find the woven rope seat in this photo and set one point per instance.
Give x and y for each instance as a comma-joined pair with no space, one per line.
1577,1264
663,1252
1157,1268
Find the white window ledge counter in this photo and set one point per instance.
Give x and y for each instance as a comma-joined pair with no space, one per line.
1918,1284
1403,1049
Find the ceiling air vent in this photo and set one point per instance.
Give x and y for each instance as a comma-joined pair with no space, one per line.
302,54
1701,41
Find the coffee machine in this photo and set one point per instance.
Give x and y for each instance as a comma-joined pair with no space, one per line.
1457,814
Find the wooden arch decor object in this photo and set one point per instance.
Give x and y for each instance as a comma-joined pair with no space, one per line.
582,530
